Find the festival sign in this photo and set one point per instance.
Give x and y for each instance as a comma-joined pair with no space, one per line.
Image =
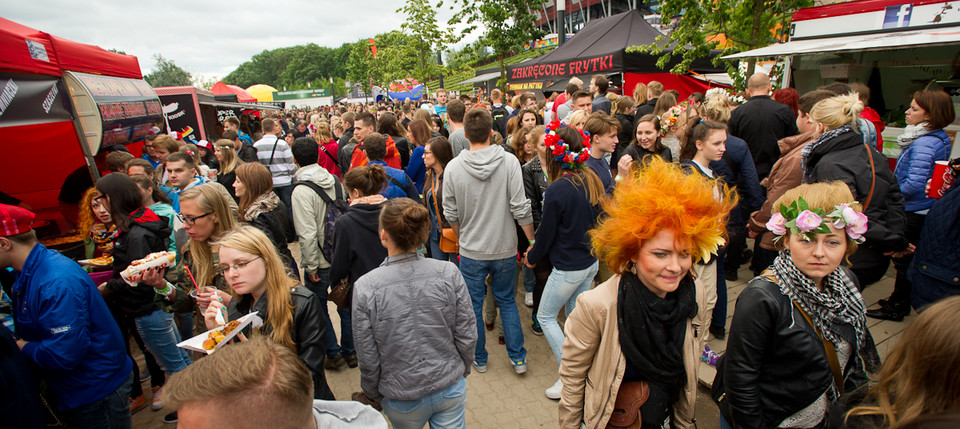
128,107
301,94
599,64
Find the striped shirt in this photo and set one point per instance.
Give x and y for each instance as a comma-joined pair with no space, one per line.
282,167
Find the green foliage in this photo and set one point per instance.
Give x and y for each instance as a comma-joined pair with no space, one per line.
167,74
747,24
509,25
421,24
292,67
396,58
117,51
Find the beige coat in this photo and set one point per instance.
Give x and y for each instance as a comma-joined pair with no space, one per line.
592,366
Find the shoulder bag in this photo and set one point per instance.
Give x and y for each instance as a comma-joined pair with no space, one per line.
448,238
626,410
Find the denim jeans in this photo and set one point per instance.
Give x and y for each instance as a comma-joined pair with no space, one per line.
442,409
185,324
109,412
346,327
504,272
562,289
529,279
161,336
435,251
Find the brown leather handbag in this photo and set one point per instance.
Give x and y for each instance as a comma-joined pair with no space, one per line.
341,295
626,410
448,238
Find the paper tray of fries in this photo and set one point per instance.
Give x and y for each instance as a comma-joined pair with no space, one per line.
196,343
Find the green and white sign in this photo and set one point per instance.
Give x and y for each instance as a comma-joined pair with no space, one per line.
301,94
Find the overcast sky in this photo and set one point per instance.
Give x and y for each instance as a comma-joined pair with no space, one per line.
209,38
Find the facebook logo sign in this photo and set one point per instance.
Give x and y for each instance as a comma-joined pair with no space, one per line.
897,16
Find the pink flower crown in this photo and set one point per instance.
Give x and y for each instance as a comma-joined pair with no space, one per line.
561,150
805,222
672,117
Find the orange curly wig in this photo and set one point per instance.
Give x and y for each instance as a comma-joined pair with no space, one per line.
662,196
87,219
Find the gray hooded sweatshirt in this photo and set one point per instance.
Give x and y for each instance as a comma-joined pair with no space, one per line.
483,193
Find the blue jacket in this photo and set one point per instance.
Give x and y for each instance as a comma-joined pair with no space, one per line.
935,269
737,170
415,168
71,335
408,189
915,167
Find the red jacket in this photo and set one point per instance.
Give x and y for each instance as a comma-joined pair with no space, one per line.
392,159
874,117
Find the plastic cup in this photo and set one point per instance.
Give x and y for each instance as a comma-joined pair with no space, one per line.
940,181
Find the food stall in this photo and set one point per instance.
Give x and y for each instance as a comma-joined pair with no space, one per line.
60,102
189,108
894,47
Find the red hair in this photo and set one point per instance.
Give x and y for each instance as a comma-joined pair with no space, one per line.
788,96
662,196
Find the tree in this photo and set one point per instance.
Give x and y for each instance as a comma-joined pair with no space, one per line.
421,22
746,25
509,25
167,74
396,57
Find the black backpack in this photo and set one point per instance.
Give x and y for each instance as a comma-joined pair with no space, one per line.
500,115
335,209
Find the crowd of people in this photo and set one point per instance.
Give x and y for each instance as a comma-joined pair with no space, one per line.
629,213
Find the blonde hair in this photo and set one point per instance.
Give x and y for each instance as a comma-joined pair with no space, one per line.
251,240
576,117
208,199
837,111
229,154
716,107
258,372
825,196
921,374
640,93
323,133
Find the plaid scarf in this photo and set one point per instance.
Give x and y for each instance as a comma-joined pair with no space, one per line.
265,203
808,149
839,303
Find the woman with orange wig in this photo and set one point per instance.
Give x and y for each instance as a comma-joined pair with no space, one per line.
636,331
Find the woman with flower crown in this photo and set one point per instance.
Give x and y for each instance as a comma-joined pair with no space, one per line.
634,334
799,336
570,208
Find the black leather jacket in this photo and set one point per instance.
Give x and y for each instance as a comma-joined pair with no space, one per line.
307,332
276,228
534,185
775,364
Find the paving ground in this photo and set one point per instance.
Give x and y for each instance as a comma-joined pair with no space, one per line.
501,399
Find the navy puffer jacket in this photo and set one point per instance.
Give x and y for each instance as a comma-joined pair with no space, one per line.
915,167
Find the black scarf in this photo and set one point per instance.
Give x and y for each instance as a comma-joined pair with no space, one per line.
652,330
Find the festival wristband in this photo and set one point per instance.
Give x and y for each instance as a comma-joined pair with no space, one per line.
532,242
618,178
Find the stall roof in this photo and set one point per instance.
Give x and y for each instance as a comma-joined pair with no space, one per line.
27,50
604,36
860,42
481,78
221,88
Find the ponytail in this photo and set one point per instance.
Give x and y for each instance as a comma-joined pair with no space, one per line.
368,179
699,129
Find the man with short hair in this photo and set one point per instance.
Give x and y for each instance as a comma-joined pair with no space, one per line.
598,87
564,97
398,183
274,153
233,124
64,327
117,160
346,143
148,153
183,173
219,390
140,166
603,131
582,100
500,113
566,103
761,122
302,130
483,194
366,125
455,112
654,91
407,114
440,107
310,220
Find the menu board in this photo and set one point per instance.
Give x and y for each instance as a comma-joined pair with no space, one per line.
128,107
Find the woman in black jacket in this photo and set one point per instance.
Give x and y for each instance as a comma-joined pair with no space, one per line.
356,240
646,142
290,312
799,335
839,153
225,153
625,108
142,232
260,207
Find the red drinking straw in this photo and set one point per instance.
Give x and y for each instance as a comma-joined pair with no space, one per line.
192,279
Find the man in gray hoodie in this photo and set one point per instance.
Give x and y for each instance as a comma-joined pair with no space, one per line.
482,194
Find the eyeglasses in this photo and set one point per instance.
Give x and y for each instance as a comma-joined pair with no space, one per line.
427,153
238,266
189,221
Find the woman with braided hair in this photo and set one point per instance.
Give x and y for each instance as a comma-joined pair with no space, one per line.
799,335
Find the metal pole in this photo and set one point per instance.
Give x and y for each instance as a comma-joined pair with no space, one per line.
562,27
440,63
